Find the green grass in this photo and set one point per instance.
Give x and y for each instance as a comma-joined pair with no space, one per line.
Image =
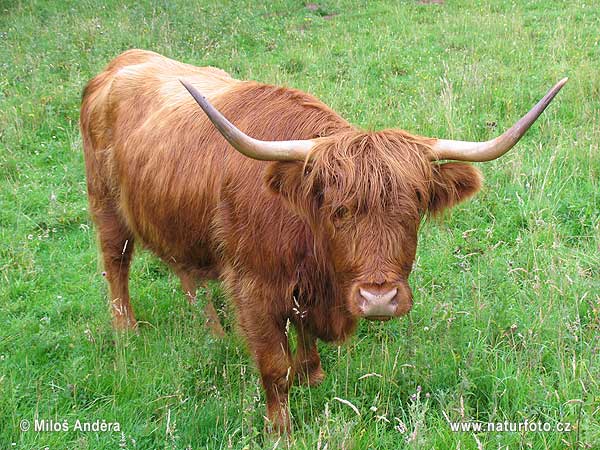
506,319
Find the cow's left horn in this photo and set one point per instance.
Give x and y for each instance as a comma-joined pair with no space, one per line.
489,150
253,148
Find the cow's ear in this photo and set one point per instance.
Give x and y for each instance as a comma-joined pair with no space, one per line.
452,183
286,179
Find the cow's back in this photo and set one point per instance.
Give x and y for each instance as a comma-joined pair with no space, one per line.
143,158
152,151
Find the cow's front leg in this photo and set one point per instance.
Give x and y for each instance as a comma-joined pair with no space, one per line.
268,343
307,362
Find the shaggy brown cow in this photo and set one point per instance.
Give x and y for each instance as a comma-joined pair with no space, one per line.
316,225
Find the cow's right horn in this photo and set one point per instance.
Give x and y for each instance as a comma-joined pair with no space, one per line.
253,148
489,150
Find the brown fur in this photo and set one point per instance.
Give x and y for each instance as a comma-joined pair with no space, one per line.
290,240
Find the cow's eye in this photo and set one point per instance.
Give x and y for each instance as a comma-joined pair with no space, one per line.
341,213
419,200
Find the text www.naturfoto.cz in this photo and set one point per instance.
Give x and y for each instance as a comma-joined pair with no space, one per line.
512,427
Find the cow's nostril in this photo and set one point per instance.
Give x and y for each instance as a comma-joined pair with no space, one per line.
378,297
375,302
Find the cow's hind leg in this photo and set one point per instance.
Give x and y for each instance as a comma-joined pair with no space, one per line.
116,243
189,284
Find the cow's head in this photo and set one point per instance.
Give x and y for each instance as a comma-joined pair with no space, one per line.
364,195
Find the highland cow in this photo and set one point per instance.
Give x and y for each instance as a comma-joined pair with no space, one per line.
304,217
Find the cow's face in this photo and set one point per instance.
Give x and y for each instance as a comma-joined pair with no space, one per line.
364,195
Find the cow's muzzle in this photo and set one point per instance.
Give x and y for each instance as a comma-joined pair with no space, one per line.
383,301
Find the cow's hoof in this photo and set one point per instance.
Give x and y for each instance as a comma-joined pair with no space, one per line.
278,423
277,429
312,377
215,329
213,322
125,324
316,377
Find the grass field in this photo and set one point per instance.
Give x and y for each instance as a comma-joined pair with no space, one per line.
506,320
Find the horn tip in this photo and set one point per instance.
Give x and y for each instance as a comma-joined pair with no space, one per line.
186,85
200,98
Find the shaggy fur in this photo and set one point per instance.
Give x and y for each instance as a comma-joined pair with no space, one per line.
290,240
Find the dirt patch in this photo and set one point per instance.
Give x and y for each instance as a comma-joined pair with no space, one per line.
319,10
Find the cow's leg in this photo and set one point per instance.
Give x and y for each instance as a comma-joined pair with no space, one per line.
271,350
261,314
268,344
307,362
116,243
189,283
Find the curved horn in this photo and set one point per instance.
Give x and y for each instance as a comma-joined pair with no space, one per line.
489,150
253,148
